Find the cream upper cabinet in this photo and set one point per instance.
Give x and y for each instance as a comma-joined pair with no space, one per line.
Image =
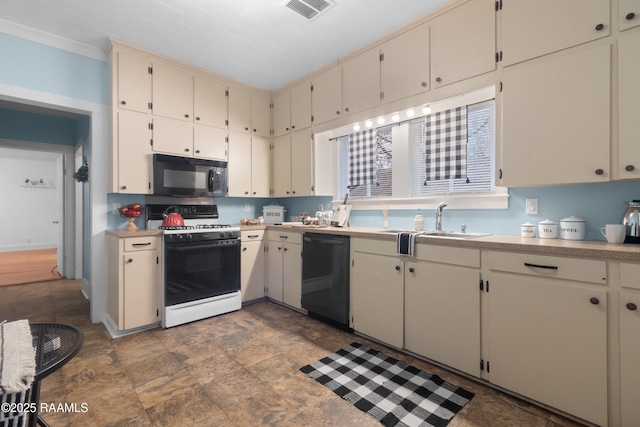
209,143
535,28
239,168
260,167
361,82
172,136
261,115
629,14
629,106
239,110
405,64
431,292
134,82
301,106
302,163
134,169
172,93
629,355
556,120
282,166
463,42
544,327
326,96
282,113
209,103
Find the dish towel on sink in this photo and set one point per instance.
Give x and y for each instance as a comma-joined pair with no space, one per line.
406,242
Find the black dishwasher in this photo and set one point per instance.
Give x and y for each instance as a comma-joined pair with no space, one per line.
325,277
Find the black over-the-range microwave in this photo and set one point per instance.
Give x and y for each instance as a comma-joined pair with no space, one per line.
188,177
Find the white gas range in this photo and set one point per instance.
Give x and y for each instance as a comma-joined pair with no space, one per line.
201,262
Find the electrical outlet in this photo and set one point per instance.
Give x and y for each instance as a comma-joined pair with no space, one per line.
247,207
531,206
116,208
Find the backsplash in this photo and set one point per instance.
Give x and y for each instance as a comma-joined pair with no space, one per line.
597,204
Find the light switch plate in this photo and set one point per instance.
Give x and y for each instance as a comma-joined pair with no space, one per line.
531,206
116,208
247,207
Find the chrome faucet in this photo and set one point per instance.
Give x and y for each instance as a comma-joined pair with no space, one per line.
439,216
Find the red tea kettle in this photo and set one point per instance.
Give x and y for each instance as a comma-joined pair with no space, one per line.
172,219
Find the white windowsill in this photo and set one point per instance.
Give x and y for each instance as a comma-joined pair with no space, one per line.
497,200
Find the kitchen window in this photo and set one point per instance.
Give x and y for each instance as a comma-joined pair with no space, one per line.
401,163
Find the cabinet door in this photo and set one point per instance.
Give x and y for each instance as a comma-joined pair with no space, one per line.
134,83
282,166
556,120
535,28
172,93
629,357
292,275
274,270
140,296
261,116
301,106
629,107
302,167
326,96
239,110
361,82
172,136
282,114
548,341
252,270
239,167
449,297
629,14
260,167
209,103
405,64
463,42
135,164
377,297
209,142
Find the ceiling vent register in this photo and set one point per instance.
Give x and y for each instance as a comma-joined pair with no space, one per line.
310,9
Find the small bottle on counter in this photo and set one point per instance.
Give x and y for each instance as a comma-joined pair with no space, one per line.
418,222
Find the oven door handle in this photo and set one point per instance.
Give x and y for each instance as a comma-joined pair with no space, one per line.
182,247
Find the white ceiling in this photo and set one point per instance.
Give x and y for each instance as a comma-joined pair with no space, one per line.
258,42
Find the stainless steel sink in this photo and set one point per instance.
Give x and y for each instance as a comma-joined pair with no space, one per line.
453,234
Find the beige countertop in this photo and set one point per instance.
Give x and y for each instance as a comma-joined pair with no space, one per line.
140,232
579,248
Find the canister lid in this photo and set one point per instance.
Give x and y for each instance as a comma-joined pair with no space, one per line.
572,219
548,222
528,224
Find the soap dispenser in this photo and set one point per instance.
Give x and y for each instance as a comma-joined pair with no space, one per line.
418,222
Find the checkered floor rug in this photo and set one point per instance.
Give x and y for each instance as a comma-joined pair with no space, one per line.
388,389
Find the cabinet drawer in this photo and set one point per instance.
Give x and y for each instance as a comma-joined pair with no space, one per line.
374,246
140,243
448,255
285,237
630,275
251,235
585,270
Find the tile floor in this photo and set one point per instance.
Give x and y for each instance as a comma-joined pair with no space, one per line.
239,369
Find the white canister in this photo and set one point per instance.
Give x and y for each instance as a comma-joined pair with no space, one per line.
547,229
527,230
572,228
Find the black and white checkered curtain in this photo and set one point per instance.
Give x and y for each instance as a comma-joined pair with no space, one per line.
446,144
362,158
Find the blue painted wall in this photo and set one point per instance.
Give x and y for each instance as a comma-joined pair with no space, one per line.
35,66
23,126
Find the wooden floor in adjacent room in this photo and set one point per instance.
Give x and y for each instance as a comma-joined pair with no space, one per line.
36,265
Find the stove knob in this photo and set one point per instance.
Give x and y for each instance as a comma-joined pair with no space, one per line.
189,237
179,236
223,235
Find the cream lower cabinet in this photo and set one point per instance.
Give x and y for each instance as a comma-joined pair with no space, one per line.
134,281
377,291
442,306
284,268
252,265
629,358
547,331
